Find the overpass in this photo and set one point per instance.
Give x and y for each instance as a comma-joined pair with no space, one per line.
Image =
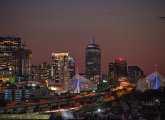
106,104
93,100
54,104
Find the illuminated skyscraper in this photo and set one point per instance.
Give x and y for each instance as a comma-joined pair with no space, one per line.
8,45
93,60
14,58
121,67
34,72
62,68
44,71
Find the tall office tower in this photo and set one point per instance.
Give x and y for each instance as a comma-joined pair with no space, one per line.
135,72
112,69
93,61
14,58
34,72
112,76
23,57
8,45
121,67
61,66
71,66
44,71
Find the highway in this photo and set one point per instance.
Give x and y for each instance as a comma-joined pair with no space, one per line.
80,102
52,102
103,105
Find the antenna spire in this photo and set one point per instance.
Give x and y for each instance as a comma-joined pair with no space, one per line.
91,39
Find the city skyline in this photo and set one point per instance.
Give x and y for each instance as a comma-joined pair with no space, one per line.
134,30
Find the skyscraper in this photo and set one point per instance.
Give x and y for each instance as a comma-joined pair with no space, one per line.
93,60
135,72
71,66
121,67
112,76
44,71
112,69
14,58
34,72
8,45
62,68
23,57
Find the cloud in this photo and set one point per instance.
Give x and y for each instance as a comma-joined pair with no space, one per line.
162,17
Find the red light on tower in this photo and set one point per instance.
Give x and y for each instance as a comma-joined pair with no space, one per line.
120,59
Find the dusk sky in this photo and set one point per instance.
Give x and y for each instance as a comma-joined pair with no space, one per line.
131,29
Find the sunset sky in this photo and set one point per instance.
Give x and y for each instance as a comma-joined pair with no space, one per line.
131,29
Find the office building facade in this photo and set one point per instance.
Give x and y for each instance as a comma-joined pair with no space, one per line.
34,72
44,71
93,61
23,65
71,66
135,72
112,76
112,69
121,67
62,69
8,45
14,58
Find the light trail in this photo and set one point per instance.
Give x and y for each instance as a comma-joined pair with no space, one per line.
62,110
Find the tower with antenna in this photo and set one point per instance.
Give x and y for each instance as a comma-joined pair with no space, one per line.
93,60
91,40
